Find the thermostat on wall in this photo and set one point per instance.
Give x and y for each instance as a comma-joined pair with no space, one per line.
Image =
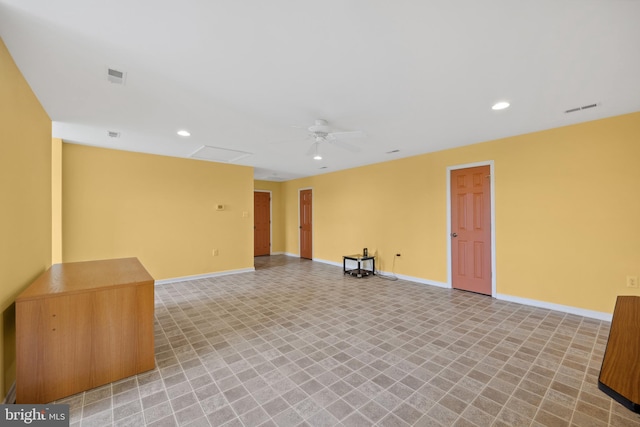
219,207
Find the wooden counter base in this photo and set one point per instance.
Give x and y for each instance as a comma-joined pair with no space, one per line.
81,325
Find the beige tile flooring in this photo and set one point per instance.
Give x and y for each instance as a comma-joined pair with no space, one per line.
296,343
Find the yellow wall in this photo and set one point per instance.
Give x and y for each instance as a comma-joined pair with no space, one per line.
159,209
567,212
56,201
25,189
277,213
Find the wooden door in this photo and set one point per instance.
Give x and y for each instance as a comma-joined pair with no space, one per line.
261,223
471,229
305,224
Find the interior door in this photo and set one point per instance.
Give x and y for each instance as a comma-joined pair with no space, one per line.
261,223
305,224
471,229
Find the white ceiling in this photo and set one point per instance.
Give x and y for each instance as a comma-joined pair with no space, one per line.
251,76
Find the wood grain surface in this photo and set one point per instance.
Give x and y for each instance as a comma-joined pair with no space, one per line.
620,372
82,325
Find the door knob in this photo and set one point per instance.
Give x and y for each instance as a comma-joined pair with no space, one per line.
454,234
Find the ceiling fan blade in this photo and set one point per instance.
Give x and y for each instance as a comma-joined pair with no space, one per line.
346,146
346,135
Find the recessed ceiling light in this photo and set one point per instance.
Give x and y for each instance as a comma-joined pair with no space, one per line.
184,133
500,105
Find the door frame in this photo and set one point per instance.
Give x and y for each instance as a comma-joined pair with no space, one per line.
313,215
270,217
494,274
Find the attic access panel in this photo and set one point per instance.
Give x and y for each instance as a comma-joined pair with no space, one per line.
217,154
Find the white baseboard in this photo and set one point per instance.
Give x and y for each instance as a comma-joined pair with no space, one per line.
599,315
399,276
205,276
324,261
292,255
423,281
277,253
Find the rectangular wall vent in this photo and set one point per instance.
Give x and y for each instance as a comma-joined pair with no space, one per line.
584,107
115,76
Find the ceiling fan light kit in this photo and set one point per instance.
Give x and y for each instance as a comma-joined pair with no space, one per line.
317,156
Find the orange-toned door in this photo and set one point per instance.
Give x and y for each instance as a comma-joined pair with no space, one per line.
305,224
471,229
261,223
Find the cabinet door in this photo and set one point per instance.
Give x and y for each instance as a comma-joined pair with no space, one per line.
53,341
123,333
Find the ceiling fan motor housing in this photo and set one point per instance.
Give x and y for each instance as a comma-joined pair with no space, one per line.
320,128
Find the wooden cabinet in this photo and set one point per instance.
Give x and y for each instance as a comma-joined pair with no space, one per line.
81,325
620,372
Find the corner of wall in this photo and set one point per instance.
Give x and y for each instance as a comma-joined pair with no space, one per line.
56,200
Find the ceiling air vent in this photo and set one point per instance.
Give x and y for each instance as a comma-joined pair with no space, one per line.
113,134
584,107
588,106
116,76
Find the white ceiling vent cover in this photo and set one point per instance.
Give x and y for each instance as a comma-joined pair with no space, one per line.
216,154
115,76
584,107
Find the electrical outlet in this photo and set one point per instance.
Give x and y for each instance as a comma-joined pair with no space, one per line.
632,281
215,252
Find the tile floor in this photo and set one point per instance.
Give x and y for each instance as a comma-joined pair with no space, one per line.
296,343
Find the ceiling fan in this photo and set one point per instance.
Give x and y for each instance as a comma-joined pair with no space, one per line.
321,133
